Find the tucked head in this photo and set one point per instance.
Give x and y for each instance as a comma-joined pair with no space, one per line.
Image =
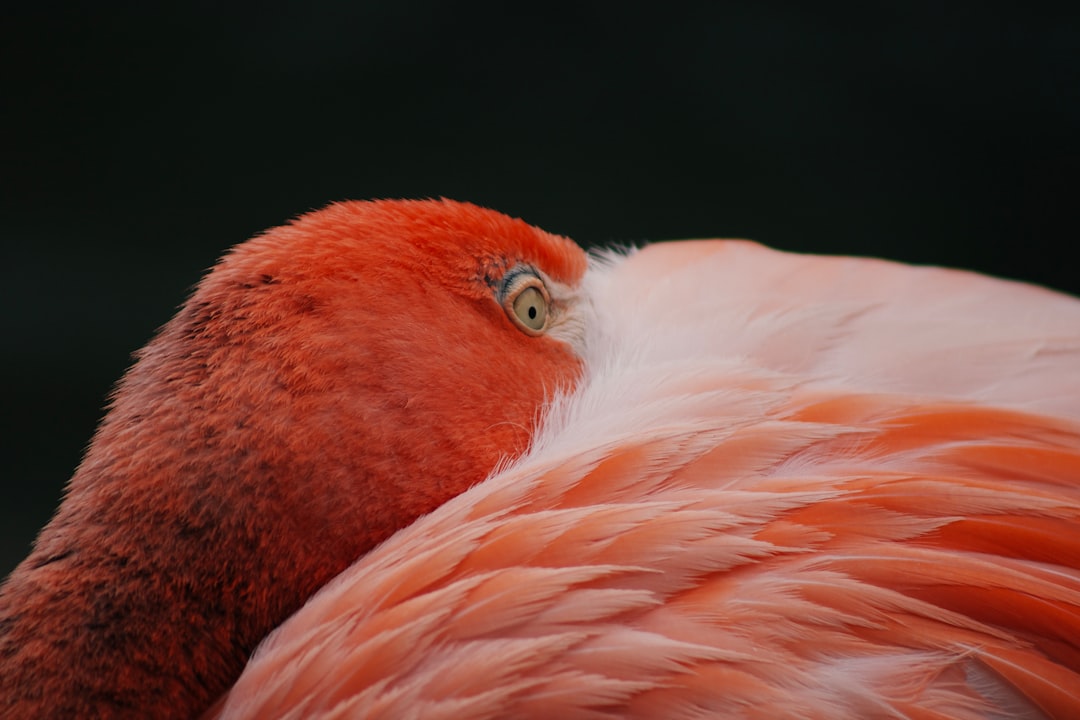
325,384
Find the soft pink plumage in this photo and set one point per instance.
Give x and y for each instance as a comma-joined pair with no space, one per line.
788,486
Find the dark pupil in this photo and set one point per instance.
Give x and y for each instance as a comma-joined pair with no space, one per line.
532,312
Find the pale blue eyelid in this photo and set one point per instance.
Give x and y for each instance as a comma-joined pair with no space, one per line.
513,276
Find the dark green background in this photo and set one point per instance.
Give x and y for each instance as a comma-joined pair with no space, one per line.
138,144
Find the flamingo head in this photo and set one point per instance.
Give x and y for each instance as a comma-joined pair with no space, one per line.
327,382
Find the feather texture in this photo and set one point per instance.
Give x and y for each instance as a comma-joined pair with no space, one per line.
788,486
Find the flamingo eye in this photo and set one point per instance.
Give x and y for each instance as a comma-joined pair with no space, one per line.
530,308
527,302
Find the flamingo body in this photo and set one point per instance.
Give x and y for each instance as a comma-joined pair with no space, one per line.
788,486
748,484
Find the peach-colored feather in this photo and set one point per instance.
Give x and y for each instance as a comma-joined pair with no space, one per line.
788,486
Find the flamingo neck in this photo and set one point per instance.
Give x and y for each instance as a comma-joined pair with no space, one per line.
156,622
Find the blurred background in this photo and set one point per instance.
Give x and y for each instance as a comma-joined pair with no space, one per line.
137,144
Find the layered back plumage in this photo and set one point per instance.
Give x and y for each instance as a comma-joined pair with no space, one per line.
788,486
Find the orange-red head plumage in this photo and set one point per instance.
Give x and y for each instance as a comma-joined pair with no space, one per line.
327,383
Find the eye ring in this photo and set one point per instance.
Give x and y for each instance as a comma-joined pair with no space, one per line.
527,302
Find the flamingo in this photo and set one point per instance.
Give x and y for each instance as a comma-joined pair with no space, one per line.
418,459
